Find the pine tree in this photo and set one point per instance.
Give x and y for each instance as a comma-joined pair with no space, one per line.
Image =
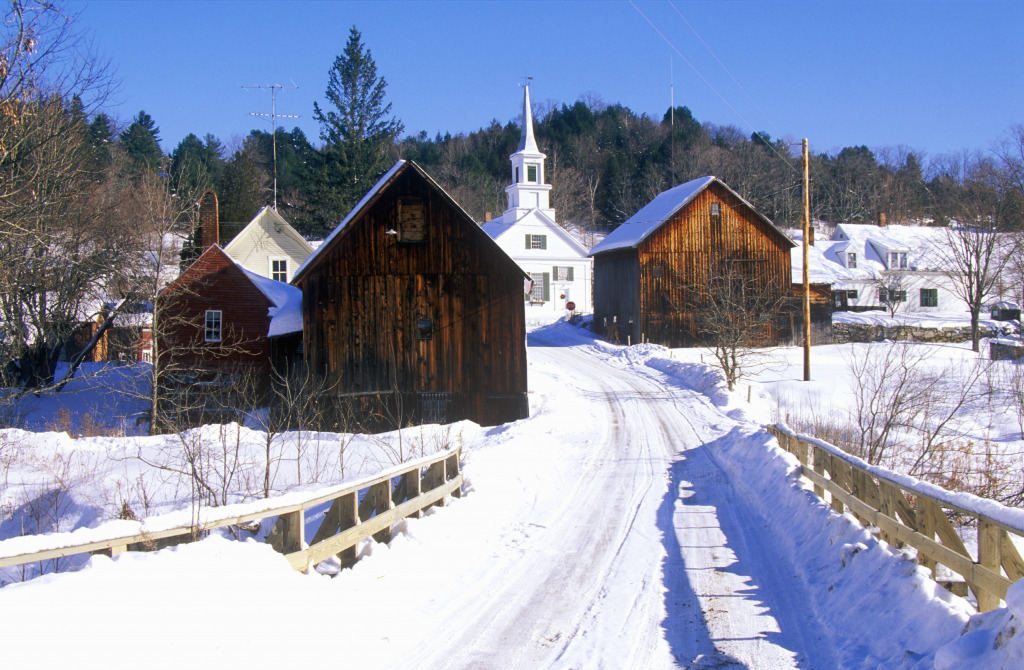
357,130
141,141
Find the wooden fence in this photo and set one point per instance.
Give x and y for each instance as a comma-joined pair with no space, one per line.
904,514
368,507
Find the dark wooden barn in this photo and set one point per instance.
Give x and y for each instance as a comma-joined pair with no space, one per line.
652,274
409,306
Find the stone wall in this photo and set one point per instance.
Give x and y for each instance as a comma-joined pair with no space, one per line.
855,332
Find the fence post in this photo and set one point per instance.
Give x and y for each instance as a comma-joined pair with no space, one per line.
451,469
377,499
819,467
988,557
288,534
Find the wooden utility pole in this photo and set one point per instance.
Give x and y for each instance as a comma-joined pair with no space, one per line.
807,263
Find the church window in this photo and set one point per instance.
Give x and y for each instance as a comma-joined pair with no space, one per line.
531,173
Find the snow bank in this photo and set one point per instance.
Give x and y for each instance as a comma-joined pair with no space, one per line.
855,579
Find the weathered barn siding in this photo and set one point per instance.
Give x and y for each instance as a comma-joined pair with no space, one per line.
651,292
367,293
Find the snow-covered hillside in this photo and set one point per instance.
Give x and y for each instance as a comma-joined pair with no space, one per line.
638,519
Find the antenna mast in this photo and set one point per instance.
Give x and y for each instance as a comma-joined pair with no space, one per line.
273,123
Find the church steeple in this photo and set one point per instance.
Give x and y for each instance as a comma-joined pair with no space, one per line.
527,143
528,190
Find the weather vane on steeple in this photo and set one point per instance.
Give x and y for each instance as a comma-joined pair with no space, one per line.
528,79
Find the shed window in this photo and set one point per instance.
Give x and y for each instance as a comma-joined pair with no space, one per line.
929,297
214,325
411,225
424,328
716,209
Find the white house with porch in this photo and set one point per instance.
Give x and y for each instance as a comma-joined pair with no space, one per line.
555,260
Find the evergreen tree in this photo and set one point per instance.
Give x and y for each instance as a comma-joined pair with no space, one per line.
241,190
196,165
358,133
141,141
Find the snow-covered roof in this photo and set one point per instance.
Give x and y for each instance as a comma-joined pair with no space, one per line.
495,228
637,227
351,215
286,314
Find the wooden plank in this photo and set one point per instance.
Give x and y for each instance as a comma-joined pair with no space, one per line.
331,523
350,537
819,468
288,533
1011,559
988,558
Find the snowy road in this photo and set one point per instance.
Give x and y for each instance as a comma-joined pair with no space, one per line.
648,562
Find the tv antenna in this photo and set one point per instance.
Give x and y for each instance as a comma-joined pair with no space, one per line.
274,116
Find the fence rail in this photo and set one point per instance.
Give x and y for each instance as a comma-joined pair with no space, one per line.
403,491
906,514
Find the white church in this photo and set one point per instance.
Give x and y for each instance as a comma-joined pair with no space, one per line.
555,260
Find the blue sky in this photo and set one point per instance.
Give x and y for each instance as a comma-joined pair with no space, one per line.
937,76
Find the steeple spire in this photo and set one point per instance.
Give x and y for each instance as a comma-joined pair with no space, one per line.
527,142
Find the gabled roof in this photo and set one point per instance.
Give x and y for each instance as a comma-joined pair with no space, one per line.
497,227
284,298
267,216
651,216
370,198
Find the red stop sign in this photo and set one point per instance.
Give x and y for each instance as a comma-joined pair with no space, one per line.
571,306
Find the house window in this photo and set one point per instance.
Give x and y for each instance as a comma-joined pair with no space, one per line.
886,296
852,295
540,292
851,260
424,328
929,297
531,173
897,261
279,269
562,272
214,323
536,241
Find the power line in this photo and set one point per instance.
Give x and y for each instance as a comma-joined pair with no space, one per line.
709,84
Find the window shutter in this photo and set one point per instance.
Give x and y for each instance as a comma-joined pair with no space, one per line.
543,241
570,273
547,287
527,240
554,272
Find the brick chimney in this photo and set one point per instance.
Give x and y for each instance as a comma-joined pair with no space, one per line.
881,219
209,220
487,217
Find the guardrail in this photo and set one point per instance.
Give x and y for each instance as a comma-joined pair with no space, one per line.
403,491
907,511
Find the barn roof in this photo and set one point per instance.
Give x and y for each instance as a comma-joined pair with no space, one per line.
651,216
371,197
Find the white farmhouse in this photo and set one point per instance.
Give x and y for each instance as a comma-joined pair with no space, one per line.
555,260
269,247
878,267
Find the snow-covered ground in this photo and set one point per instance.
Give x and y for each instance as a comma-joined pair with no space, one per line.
638,519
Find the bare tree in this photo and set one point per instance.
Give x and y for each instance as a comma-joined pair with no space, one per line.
892,290
975,250
738,313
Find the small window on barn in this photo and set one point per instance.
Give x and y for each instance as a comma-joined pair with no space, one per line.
412,224
424,328
214,325
716,209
